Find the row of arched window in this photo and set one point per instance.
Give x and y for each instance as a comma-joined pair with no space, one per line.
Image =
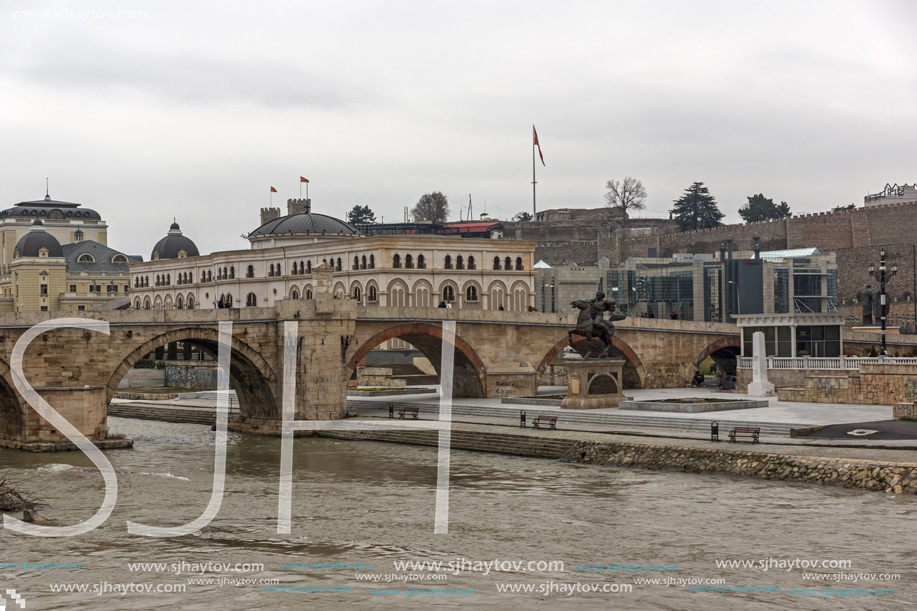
508,264
362,263
409,262
180,303
305,267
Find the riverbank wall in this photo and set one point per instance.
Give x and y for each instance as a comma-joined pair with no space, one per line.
890,477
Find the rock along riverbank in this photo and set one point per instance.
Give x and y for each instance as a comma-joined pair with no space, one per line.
786,463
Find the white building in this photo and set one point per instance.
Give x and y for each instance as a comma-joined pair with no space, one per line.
390,270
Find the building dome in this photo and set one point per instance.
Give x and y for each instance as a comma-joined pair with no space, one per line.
303,224
31,243
174,246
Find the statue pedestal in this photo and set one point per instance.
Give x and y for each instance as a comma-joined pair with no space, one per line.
593,383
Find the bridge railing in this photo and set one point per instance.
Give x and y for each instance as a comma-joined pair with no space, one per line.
846,363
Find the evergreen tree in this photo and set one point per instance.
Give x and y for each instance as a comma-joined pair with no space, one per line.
760,208
696,209
361,215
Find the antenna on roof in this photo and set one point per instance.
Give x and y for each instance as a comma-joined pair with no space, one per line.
47,191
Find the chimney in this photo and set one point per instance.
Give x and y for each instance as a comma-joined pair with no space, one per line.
269,214
299,206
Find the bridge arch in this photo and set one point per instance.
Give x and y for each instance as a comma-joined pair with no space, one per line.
249,374
724,352
469,370
634,372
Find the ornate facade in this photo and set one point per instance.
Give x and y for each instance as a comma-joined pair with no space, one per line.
390,270
54,257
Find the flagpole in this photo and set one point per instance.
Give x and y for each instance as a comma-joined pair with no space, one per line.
533,175
300,189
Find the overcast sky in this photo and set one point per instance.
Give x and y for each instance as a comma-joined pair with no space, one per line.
195,109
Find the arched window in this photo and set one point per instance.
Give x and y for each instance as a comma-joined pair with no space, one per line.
496,263
168,279
459,262
308,293
519,267
508,264
396,261
471,293
251,300
225,273
448,262
372,261
136,283
190,277
356,262
190,302
227,303
357,294
146,304
371,294
309,268
408,262
294,294
232,271
157,279
271,273
421,262
146,281
85,258
179,303
470,262
337,266
118,259
363,262
137,305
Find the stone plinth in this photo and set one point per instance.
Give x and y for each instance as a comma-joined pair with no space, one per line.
593,383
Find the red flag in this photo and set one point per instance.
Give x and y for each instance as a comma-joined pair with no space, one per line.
301,179
273,190
538,145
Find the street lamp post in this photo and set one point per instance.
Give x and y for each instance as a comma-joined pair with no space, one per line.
883,274
738,297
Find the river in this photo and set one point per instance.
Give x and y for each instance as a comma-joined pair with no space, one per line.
361,507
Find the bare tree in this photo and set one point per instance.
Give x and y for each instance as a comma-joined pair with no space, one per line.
626,196
431,207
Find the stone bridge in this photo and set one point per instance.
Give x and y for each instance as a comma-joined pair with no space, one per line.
497,353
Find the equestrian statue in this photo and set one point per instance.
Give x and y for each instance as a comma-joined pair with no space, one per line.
592,325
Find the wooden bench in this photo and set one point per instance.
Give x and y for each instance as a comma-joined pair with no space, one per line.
751,432
550,421
414,412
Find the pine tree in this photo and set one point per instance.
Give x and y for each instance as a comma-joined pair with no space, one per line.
696,209
760,208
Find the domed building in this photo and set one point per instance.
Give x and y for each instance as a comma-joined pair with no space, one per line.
374,270
54,259
299,226
174,246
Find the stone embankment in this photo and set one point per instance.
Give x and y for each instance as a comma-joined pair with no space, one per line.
892,477
850,473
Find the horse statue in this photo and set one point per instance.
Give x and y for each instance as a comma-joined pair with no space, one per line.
593,327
